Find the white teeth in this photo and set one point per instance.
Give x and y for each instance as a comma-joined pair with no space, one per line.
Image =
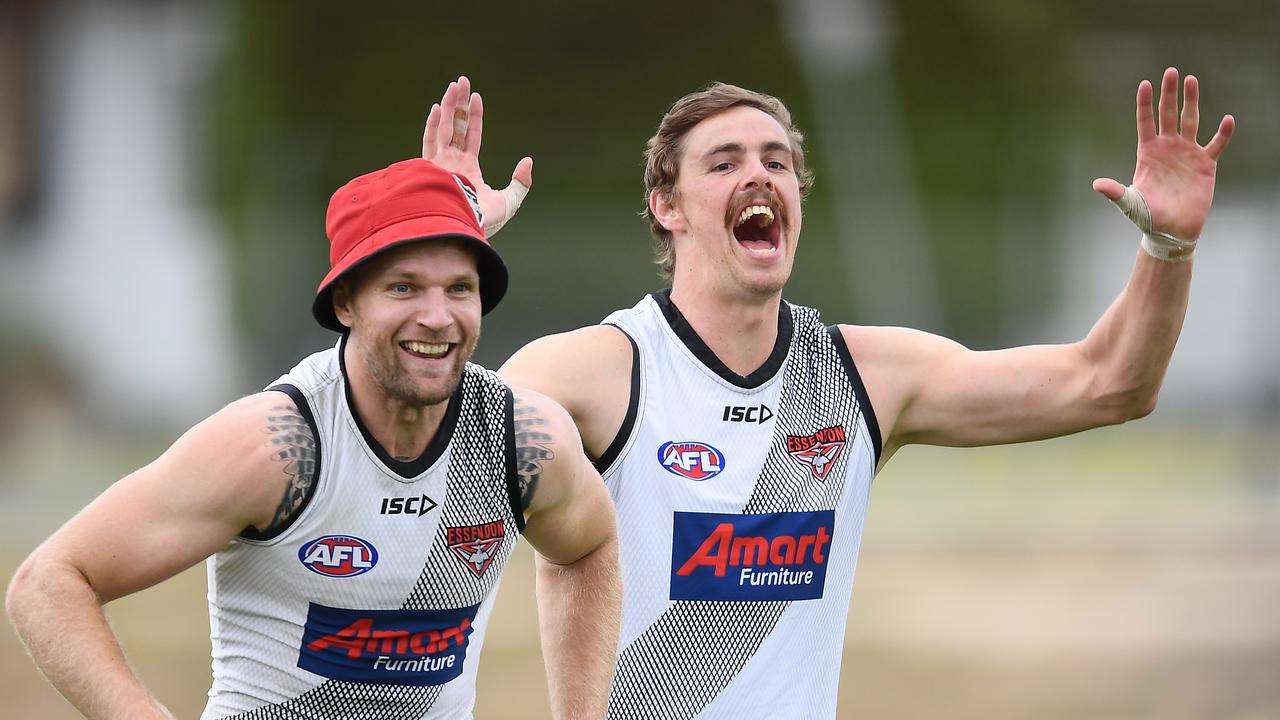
425,348
748,213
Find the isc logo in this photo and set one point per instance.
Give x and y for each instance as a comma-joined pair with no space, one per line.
693,460
338,556
758,414
407,506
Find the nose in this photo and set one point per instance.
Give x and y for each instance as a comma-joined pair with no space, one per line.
757,175
433,310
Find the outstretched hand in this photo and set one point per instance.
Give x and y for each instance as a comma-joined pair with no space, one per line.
1174,173
451,140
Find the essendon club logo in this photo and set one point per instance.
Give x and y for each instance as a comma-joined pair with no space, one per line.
476,545
818,451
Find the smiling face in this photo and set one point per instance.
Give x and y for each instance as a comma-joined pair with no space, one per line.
735,212
414,314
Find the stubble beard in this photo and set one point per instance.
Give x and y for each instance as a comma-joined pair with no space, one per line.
395,382
754,284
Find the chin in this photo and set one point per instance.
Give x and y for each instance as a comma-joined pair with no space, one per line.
768,283
420,396
422,392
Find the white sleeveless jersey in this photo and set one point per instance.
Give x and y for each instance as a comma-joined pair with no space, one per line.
740,505
373,602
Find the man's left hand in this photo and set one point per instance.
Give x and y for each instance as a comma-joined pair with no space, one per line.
1174,173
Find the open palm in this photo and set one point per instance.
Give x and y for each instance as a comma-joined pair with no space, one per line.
1174,173
451,139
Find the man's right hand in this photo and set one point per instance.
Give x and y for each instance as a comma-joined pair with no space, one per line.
451,140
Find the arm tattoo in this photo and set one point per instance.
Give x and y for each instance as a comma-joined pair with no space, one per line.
531,449
296,448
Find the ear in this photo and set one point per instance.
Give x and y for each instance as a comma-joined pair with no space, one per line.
665,211
342,303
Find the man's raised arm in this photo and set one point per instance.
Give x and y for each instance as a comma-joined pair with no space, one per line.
930,390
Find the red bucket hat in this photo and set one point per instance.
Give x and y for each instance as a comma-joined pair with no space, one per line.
409,201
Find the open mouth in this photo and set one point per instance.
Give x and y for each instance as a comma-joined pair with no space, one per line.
426,350
756,230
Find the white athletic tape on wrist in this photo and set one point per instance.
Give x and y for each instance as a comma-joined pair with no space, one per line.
1159,245
512,196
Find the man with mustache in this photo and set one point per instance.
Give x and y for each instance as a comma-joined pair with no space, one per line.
739,434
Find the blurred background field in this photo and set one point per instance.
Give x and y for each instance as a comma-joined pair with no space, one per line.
1106,576
165,165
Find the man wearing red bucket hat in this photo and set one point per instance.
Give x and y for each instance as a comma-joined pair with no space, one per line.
357,514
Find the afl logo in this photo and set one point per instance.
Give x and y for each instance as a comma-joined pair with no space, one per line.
693,460
339,556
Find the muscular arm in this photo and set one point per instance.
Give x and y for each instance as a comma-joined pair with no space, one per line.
930,390
570,522
226,474
587,372
927,389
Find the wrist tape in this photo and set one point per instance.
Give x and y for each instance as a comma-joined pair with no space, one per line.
1159,245
512,196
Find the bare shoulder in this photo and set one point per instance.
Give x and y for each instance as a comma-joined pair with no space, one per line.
263,452
562,359
586,371
567,509
546,442
533,408
236,433
876,343
894,363
292,450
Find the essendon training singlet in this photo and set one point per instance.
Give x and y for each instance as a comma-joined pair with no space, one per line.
373,602
740,504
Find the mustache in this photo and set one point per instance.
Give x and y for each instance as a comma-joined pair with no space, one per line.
755,197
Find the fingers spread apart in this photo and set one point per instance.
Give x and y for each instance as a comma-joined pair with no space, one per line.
1186,123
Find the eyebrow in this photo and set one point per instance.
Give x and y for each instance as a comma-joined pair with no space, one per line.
401,275
738,148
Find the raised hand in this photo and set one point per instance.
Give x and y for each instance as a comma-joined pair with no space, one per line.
451,140
1174,173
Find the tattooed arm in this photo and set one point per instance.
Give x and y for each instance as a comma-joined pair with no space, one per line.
228,473
294,446
569,521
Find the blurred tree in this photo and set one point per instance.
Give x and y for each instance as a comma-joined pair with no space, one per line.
986,90
312,94
989,95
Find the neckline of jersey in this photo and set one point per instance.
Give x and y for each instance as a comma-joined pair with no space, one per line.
407,469
761,375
